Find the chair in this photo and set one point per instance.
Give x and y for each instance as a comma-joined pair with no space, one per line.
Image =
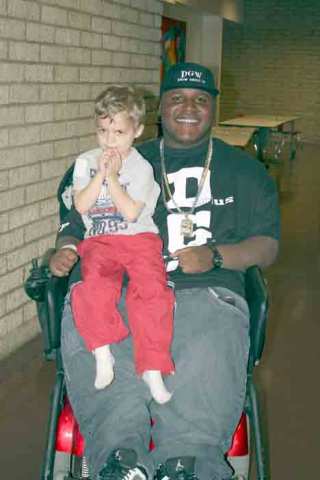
63,458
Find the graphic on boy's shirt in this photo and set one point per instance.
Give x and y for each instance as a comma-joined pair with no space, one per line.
104,218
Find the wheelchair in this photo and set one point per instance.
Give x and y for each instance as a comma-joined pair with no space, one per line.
64,452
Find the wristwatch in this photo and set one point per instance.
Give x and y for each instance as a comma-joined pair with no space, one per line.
217,259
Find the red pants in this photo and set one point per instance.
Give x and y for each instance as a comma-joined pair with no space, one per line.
149,300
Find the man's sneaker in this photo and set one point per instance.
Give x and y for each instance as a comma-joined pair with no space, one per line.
179,468
122,465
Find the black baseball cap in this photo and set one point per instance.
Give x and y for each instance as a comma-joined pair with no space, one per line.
189,75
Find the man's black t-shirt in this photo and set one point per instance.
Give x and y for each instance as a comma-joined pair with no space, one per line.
238,201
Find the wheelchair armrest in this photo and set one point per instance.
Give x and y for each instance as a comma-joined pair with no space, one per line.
257,298
48,293
35,284
55,293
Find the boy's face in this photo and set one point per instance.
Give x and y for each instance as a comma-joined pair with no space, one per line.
118,132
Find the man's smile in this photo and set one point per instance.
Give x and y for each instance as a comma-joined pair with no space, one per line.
187,120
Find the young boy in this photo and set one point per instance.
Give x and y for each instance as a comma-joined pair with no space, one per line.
115,192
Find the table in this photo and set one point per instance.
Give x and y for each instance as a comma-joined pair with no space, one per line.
263,125
260,121
236,136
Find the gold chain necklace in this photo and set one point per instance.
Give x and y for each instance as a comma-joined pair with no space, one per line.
186,225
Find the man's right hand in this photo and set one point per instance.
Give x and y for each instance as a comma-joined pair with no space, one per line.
62,262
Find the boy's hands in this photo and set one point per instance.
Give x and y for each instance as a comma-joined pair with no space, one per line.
114,162
110,163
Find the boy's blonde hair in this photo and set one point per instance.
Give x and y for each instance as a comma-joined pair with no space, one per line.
119,98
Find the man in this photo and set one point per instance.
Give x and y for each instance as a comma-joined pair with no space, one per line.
218,215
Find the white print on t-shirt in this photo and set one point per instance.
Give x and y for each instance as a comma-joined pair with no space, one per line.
201,219
104,217
63,226
67,197
179,180
223,201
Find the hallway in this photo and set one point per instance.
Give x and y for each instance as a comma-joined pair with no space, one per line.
287,375
289,372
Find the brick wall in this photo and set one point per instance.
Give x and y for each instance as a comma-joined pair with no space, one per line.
271,62
56,56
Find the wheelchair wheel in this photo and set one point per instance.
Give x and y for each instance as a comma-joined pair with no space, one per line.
70,467
239,455
61,469
241,466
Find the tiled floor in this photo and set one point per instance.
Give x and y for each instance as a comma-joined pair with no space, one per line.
288,375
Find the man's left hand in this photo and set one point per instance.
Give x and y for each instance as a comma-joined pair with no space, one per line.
194,259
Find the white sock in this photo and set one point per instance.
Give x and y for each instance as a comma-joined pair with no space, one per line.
104,367
154,380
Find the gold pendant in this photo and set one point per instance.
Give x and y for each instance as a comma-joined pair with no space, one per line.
186,226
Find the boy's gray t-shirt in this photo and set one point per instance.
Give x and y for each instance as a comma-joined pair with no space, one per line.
136,177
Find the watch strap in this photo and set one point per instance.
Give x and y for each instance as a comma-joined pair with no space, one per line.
217,259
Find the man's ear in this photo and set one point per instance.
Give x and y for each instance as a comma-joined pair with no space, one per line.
139,131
